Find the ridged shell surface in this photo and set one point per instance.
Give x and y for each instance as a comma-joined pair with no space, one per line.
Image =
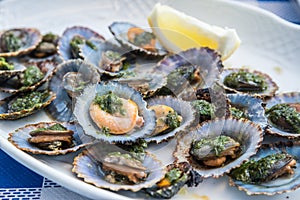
20,138
248,134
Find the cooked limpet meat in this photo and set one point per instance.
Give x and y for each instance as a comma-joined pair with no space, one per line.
217,146
33,75
135,38
21,105
47,47
214,152
129,169
142,38
265,169
245,81
274,169
117,114
252,82
50,138
178,175
19,41
55,137
285,116
167,119
74,37
204,109
108,166
27,101
114,112
173,116
190,70
112,61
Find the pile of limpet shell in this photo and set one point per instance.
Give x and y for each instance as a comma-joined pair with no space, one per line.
117,97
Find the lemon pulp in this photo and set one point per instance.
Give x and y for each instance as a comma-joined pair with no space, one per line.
177,31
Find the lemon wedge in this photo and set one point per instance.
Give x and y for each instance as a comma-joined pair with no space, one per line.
177,31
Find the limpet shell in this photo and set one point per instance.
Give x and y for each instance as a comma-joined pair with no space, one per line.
87,168
7,74
46,67
20,137
252,106
95,56
288,97
33,38
120,29
206,61
84,101
16,115
271,85
248,134
64,49
183,108
281,184
61,109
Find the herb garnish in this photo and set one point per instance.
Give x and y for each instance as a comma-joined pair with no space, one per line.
5,65
258,171
32,75
173,120
110,103
218,143
287,113
245,81
28,101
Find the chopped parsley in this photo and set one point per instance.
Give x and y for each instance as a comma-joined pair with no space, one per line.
110,103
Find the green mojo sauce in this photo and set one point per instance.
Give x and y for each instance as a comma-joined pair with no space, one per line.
28,101
173,120
257,171
180,76
245,81
75,45
110,103
32,75
218,143
237,113
204,109
55,127
5,65
143,39
286,113
11,41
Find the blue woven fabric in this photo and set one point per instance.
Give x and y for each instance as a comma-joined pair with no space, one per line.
19,182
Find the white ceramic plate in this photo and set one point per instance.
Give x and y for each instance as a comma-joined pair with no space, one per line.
269,44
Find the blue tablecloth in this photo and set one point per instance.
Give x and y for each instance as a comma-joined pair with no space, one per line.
19,182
